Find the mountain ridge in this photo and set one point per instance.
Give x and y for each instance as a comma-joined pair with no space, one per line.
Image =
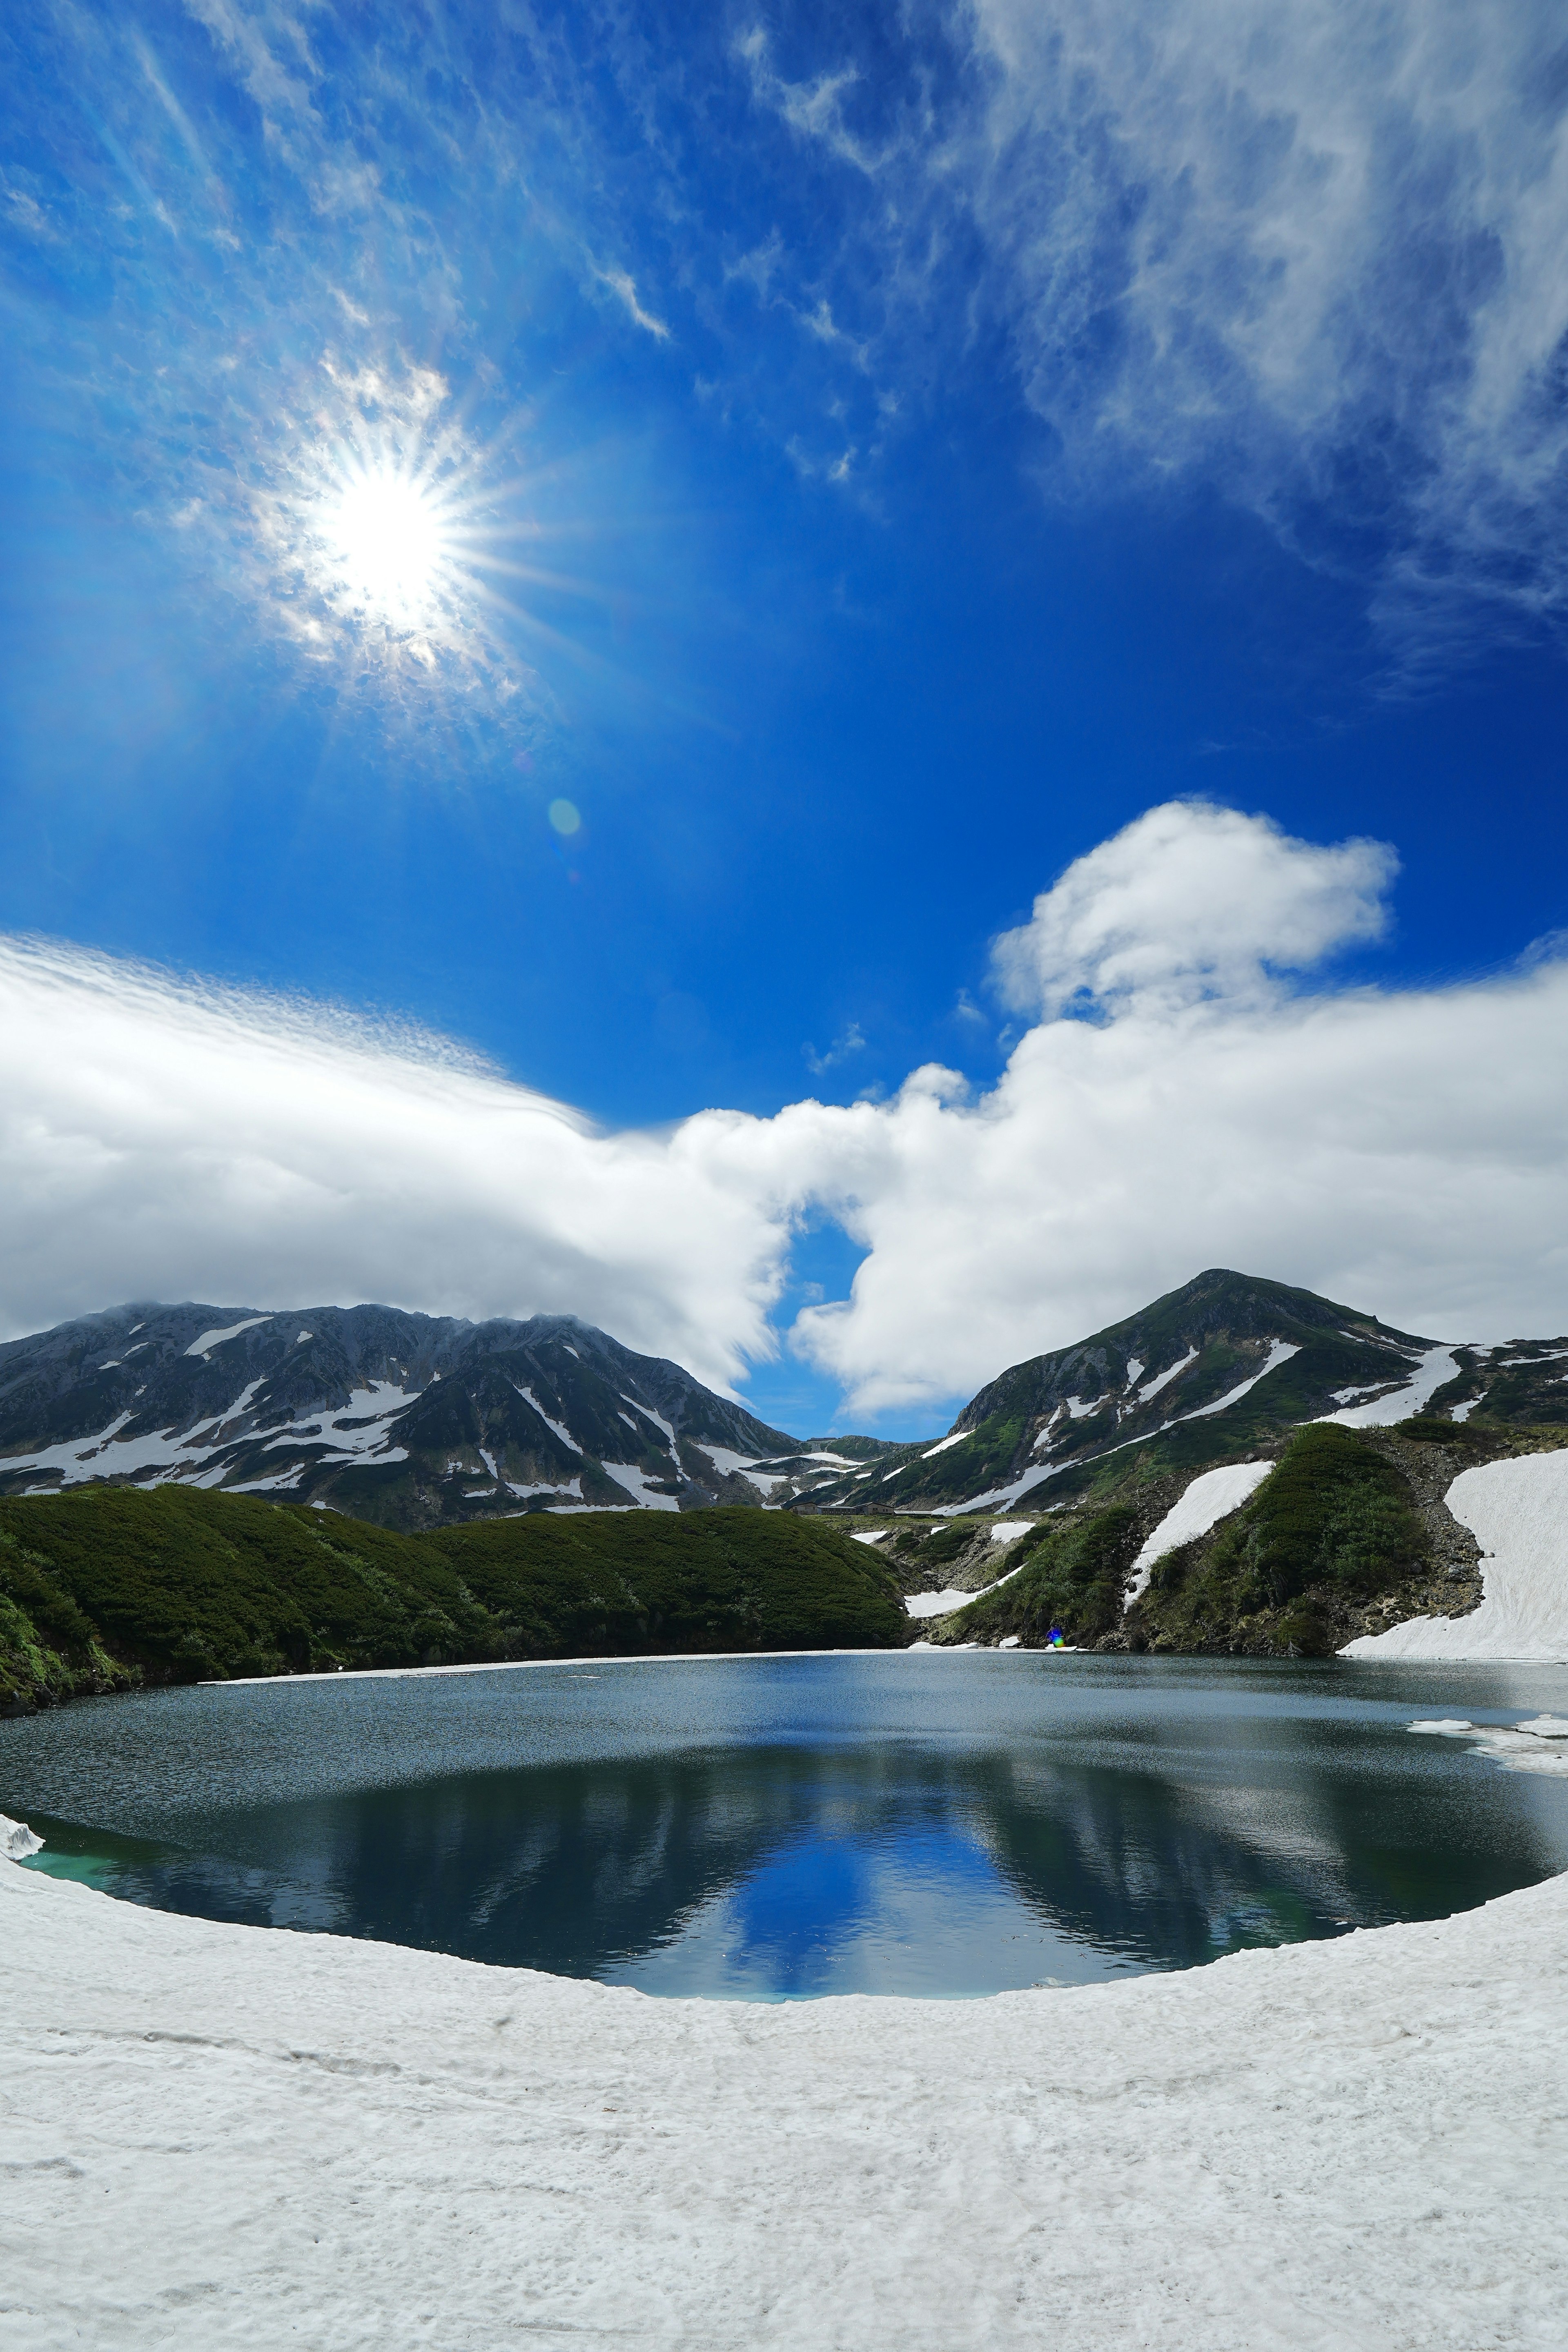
398,1418
1223,1363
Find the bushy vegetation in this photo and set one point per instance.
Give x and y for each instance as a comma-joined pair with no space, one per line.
1072,1581
1333,1524
116,1586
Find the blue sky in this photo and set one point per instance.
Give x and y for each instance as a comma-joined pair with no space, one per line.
875,457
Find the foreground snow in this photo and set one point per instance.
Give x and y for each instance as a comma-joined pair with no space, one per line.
225,2136
1518,1513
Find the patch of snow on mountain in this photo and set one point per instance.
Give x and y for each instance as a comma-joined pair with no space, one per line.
1163,1379
1279,1352
300,1337
1463,1411
1134,1371
1211,1497
208,1341
937,1604
868,1535
555,1428
1434,1367
637,1484
943,1605
956,1439
1005,1530
725,1460
659,1423
1518,1513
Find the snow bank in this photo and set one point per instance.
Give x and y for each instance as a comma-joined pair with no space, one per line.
938,1604
1518,1513
224,2136
1206,1501
18,1841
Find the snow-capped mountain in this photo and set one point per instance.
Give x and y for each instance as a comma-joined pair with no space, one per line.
410,1420
1223,1363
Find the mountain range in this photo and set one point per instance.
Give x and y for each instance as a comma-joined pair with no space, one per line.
408,1421
414,1421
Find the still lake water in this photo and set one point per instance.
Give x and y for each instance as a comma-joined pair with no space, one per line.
776,1828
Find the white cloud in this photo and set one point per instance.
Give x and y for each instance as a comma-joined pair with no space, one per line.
1405,1150
623,285
1191,901
158,1141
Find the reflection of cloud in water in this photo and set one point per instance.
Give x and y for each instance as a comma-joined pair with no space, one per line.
884,1865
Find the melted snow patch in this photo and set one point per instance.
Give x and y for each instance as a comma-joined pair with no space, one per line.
1526,1747
1210,1498
1518,1513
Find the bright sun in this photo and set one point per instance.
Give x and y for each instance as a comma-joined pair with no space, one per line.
388,544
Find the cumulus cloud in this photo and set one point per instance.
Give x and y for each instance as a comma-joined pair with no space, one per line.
1191,901
1404,1149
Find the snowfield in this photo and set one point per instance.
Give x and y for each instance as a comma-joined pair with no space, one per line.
1518,1513
219,2135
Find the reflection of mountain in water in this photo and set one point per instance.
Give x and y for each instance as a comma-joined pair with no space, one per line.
579,1868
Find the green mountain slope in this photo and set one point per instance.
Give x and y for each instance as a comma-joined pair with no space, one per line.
116,1587
1203,1374
1347,1534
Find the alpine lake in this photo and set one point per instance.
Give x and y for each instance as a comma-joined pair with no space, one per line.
936,1823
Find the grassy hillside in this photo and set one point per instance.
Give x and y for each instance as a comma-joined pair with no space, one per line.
119,1587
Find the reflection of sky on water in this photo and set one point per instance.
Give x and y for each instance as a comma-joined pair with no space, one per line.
781,1828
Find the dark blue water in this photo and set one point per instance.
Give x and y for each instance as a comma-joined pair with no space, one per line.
774,1828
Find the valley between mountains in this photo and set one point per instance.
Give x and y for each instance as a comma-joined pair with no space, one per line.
1241,1468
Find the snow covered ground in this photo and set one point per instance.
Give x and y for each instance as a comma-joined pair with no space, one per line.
219,2135
1518,1513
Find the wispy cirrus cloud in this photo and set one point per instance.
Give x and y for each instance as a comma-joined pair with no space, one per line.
1309,258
